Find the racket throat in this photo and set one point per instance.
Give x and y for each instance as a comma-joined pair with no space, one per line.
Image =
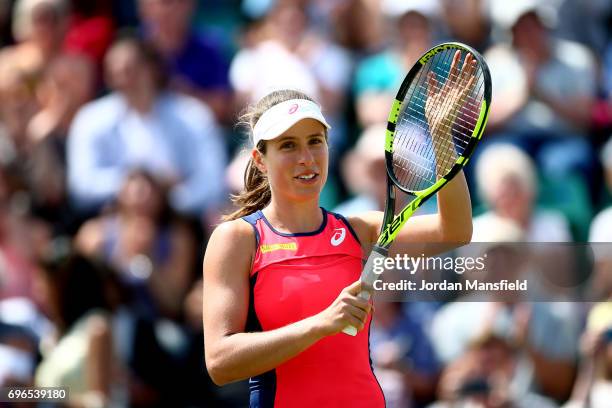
390,206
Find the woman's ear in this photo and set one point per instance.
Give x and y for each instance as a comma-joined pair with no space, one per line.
258,160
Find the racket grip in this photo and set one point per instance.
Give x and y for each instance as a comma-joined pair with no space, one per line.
368,276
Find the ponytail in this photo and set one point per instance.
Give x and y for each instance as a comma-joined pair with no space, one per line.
256,194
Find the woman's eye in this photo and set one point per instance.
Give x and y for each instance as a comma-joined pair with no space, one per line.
316,141
287,145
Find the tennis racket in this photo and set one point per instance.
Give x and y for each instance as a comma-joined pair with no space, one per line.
436,121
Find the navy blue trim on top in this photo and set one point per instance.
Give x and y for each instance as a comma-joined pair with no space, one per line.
348,225
372,363
252,219
298,234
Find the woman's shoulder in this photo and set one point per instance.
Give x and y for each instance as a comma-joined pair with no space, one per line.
91,235
366,225
235,234
368,219
231,247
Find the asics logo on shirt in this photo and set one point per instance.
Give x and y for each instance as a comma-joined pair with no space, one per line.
338,237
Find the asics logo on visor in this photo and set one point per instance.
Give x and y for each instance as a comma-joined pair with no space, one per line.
282,116
338,237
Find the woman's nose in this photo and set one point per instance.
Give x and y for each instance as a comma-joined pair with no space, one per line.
306,156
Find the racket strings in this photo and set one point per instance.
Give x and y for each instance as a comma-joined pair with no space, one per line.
420,159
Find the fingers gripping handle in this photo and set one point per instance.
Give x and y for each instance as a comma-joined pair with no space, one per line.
368,275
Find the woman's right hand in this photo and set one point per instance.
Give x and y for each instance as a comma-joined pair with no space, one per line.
348,309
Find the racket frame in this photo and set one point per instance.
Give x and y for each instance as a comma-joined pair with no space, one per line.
391,224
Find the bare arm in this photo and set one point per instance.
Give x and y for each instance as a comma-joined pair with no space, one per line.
171,284
231,354
426,234
99,360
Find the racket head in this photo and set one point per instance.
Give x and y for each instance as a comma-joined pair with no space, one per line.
417,163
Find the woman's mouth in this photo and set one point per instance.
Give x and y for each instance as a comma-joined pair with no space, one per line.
307,177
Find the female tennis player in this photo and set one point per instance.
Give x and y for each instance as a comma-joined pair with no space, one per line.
281,276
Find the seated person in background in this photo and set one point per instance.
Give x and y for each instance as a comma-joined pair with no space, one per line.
600,236
601,226
39,28
544,88
364,173
547,333
486,376
67,84
153,250
143,125
507,181
196,63
593,386
403,357
378,77
80,354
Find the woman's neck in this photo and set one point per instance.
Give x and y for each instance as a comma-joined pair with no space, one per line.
294,217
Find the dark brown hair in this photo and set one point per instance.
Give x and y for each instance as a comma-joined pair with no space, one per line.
256,194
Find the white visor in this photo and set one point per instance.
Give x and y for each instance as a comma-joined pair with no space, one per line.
276,120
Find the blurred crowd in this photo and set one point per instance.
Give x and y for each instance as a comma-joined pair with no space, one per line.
119,151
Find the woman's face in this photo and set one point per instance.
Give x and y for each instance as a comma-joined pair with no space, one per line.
126,71
513,199
296,162
140,196
47,25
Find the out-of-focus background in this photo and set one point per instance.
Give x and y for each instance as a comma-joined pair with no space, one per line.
119,150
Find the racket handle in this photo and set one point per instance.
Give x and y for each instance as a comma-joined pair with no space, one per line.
368,276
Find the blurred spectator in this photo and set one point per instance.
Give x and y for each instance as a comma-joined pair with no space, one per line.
90,29
356,25
573,14
378,77
154,251
200,387
142,125
601,226
39,28
67,84
18,349
547,332
289,55
16,271
404,360
507,181
600,237
545,88
364,172
270,61
197,65
593,387
485,376
17,107
80,355
467,21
